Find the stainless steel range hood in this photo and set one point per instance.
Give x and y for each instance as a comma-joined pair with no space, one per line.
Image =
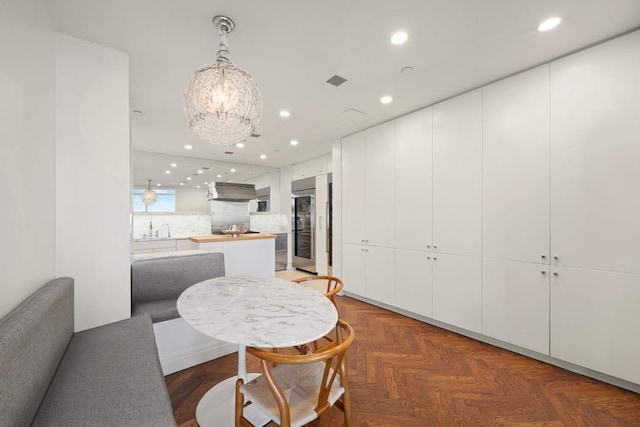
231,192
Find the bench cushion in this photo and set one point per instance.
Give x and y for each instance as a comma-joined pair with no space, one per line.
163,279
158,310
33,339
110,375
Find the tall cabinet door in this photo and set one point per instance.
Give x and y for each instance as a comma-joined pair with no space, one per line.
515,155
353,269
353,182
413,168
515,303
457,290
379,188
457,174
595,157
414,282
379,270
594,320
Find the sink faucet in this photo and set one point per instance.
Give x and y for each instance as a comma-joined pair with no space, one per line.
168,229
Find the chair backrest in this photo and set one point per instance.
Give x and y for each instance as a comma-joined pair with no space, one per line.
333,285
333,356
166,278
33,339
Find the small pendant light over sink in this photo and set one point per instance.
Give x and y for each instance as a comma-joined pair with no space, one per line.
149,196
222,102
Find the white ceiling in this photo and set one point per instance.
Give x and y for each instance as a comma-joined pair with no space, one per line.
292,47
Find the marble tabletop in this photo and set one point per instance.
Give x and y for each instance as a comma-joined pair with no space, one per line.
257,311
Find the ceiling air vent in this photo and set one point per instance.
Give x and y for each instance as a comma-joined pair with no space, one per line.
255,135
336,80
228,152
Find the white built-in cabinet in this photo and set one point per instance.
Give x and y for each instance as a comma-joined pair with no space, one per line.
369,271
594,320
414,281
457,290
413,171
515,183
516,209
515,303
368,190
595,157
457,174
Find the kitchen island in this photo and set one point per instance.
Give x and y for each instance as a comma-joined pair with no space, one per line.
252,253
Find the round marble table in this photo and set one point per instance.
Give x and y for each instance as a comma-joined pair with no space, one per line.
251,311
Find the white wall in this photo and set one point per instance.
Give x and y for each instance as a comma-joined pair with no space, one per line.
27,162
93,215
191,200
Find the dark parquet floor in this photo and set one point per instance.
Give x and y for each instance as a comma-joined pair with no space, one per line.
403,372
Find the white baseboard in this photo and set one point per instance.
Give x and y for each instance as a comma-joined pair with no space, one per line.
180,346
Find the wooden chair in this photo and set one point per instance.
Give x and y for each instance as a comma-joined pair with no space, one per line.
301,387
334,285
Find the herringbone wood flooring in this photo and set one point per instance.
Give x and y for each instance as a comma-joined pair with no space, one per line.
403,372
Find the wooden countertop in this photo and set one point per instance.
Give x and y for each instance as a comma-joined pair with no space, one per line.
216,238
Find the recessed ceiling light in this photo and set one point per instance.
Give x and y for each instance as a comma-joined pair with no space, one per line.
197,186
158,185
263,156
399,37
199,170
232,170
173,165
206,183
285,113
240,145
188,147
182,183
167,172
549,23
218,176
188,178
293,142
386,99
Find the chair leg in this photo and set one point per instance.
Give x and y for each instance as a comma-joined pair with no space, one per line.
239,403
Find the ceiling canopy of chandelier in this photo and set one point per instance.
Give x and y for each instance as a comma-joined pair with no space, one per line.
222,102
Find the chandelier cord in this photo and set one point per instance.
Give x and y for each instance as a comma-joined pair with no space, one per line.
223,49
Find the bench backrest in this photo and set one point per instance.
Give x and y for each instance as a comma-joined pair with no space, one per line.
33,339
166,278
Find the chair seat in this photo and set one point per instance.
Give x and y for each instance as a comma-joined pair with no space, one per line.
300,384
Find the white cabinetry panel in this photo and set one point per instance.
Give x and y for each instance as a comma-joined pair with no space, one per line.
595,157
379,186
457,291
353,181
380,268
353,269
457,174
516,167
413,204
594,320
414,282
515,303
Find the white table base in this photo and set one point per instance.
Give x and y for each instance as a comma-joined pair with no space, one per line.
217,406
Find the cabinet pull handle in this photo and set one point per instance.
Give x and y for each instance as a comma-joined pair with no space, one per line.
543,272
428,246
555,257
555,274
543,257
435,259
428,257
435,247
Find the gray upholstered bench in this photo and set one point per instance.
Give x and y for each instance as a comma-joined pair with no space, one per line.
157,281
49,375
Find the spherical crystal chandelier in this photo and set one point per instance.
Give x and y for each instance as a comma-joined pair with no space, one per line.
149,196
222,102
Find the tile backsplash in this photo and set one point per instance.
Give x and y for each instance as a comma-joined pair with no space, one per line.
181,224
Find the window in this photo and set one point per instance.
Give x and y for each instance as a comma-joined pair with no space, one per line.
166,201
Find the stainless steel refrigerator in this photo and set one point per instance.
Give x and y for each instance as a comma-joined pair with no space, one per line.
303,193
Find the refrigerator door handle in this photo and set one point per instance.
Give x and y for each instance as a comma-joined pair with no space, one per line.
328,238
